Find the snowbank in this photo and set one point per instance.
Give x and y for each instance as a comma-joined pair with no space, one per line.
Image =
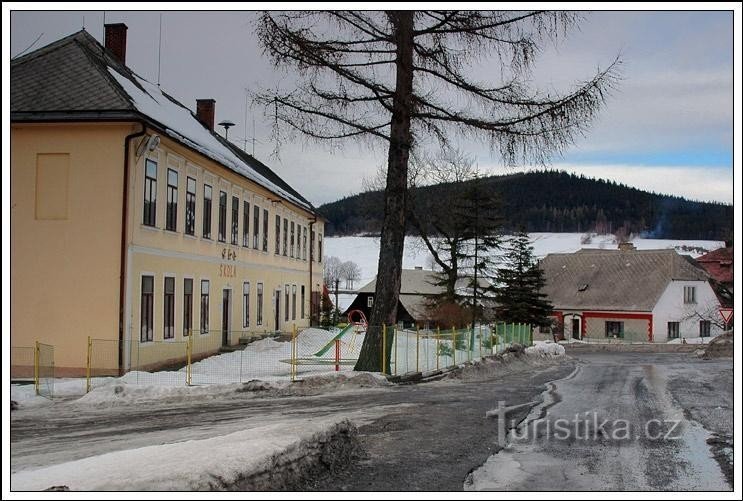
692,340
217,463
545,349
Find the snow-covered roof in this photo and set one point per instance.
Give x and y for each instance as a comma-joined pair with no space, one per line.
75,78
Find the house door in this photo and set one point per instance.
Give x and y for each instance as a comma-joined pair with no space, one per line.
226,296
277,309
576,328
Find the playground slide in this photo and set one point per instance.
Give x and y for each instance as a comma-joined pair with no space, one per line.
331,343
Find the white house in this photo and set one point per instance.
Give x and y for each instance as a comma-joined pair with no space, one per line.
637,295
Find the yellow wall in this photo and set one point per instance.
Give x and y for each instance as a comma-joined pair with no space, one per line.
65,268
157,252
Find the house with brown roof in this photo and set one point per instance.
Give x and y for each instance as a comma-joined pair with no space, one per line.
635,295
418,287
719,264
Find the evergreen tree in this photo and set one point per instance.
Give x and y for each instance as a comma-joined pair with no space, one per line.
520,280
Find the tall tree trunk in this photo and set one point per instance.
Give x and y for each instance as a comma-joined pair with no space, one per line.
384,309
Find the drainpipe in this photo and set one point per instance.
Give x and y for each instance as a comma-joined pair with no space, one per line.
124,221
312,257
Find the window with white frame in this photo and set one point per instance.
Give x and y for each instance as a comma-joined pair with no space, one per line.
246,304
206,225
265,230
690,294
294,302
146,313
187,306
190,206
171,209
169,308
246,223
235,220
259,304
204,325
370,301
150,193
256,223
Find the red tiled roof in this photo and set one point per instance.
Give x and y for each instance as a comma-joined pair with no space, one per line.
719,264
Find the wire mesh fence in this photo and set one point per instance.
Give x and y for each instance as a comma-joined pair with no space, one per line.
22,363
45,370
34,364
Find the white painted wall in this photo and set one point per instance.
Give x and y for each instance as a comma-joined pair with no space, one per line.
671,308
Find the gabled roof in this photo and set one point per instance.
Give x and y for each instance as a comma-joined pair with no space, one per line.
76,78
421,282
719,264
614,280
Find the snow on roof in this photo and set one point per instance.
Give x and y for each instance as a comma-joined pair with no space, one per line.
180,124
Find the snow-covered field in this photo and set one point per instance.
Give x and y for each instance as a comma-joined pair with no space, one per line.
364,251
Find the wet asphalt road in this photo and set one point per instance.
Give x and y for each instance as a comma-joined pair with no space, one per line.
436,436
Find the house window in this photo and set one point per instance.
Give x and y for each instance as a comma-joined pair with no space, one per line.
704,328
207,223
301,303
319,248
150,193
169,308
370,301
312,245
615,329
246,223
286,303
286,235
235,216
673,330
294,302
246,304
259,304
204,307
222,227
265,230
171,210
304,243
299,244
187,306
690,294
278,235
146,311
256,221
291,242
190,205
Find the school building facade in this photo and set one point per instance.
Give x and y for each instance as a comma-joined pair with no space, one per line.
134,222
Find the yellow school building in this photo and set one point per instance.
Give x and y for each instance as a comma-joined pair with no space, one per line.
134,223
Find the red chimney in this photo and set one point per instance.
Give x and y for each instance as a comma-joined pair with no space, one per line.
205,112
116,41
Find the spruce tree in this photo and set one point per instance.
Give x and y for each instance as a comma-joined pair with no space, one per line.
518,295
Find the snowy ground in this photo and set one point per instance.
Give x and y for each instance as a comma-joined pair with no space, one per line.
364,251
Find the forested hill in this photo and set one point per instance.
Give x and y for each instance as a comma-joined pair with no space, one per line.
552,201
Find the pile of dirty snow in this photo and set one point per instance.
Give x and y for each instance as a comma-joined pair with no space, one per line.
545,349
720,346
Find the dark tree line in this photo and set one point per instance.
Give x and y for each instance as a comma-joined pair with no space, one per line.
555,202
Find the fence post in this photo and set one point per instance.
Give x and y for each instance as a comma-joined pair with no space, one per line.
394,349
36,367
438,345
417,346
384,348
293,367
189,353
454,346
337,355
88,350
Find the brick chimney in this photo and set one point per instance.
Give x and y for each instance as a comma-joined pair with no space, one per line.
205,112
116,41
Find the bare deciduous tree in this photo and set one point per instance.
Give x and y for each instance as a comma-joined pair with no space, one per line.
400,77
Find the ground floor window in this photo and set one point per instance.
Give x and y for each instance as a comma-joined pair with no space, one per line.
187,306
246,304
204,306
294,302
673,330
169,308
615,329
286,301
704,328
301,307
146,311
259,304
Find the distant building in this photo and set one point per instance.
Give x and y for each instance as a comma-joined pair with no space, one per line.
135,223
417,289
638,295
719,265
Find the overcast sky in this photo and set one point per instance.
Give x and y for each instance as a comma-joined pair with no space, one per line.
669,127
